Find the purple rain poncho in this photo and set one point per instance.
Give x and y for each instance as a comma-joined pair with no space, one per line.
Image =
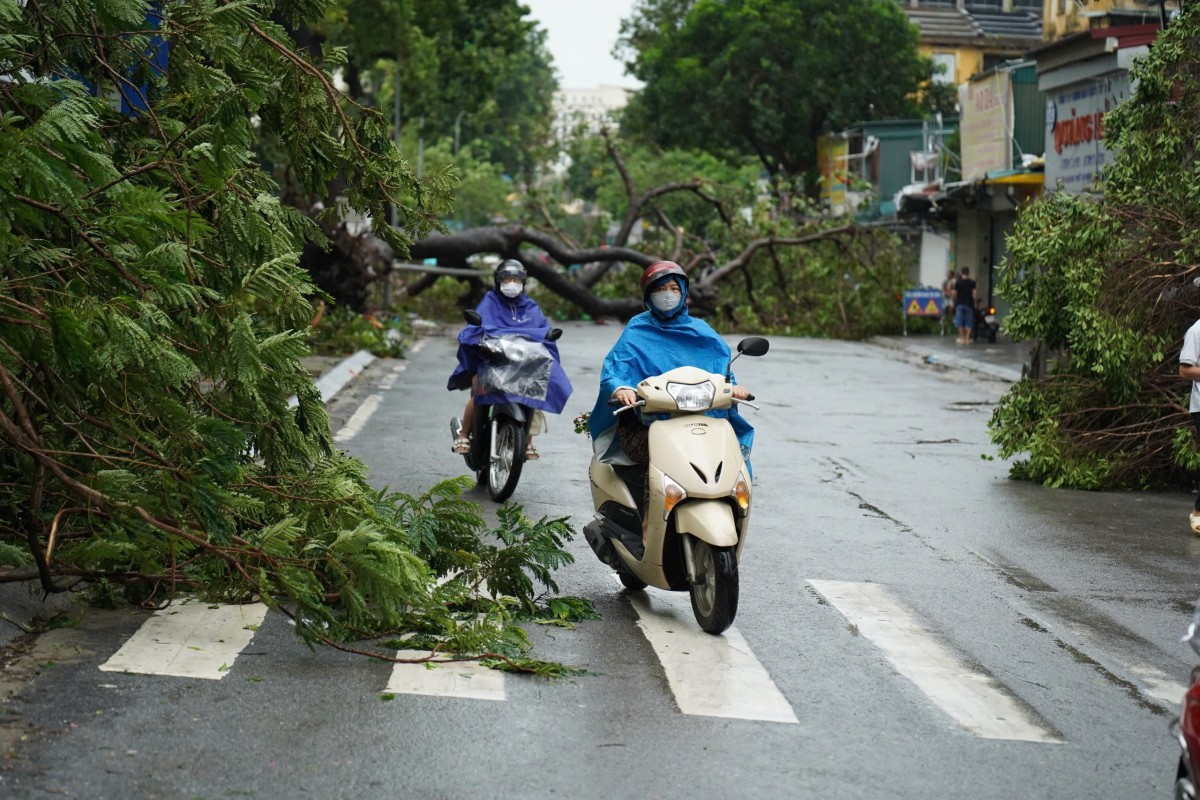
511,356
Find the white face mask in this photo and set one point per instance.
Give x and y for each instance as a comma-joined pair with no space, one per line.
510,290
665,301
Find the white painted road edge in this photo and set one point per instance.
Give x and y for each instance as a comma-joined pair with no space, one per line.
971,697
712,676
189,640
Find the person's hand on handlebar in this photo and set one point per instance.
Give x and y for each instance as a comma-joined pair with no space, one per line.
741,393
626,397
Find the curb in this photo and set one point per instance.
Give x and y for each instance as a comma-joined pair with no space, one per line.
953,361
347,370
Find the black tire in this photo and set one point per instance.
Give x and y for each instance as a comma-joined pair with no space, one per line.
630,581
1184,790
715,594
504,470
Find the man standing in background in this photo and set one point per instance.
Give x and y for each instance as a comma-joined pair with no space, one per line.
965,296
948,296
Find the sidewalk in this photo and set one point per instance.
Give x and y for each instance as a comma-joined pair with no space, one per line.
1002,360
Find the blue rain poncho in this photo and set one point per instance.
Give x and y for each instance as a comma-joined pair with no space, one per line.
510,354
651,346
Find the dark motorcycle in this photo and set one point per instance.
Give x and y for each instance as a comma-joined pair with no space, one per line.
1186,727
517,366
986,326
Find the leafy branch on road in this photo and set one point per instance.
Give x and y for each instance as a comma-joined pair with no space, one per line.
153,315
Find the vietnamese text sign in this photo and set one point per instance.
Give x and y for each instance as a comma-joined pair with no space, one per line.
1075,149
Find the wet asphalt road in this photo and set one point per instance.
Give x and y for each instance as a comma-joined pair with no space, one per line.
872,467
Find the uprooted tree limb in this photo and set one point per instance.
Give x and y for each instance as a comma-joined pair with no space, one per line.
563,266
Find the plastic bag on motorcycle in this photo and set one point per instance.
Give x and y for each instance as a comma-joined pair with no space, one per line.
516,366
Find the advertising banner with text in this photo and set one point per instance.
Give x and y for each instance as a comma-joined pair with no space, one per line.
986,125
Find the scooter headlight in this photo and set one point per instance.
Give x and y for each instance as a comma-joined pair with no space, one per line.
741,491
692,396
673,494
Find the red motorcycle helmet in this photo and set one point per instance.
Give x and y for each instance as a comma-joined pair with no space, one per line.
656,272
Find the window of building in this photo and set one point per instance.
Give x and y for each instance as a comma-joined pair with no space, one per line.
948,74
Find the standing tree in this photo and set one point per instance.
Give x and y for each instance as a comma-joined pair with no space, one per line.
152,320
766,77
471,71
1111,284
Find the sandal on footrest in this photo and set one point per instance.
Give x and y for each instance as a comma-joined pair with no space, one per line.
531,453
461,446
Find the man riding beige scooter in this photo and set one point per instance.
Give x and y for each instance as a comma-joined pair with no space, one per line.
673,496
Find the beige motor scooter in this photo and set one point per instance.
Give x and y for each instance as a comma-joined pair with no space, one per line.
698,503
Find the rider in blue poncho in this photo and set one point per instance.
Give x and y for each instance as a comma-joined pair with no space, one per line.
662,338
506,309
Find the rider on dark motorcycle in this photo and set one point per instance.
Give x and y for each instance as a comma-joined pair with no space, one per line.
505,310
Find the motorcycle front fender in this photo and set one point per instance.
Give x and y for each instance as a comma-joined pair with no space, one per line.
511,410
708,520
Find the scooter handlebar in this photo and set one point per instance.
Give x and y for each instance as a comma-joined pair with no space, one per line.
622,407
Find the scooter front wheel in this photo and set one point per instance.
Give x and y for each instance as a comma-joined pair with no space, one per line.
505,468
715,589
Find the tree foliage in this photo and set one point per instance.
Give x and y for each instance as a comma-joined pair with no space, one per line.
765,78
1110,285
152,320
479,65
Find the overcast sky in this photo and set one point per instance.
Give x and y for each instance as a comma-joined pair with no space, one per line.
580,34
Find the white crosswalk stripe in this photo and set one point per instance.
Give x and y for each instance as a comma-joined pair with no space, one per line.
713,676
189,639
974,699
468,679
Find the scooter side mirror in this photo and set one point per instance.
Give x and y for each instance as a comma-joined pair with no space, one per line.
472,317
554,334
753,346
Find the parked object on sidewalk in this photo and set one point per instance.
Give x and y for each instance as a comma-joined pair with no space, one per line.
1186,727
986,325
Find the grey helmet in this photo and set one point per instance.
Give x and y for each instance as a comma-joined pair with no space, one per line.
509,268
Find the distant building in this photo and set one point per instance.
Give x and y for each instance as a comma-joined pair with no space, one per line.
592,108
1062,18
968,37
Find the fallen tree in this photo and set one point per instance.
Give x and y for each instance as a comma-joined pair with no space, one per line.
726,247
153,315
1110,285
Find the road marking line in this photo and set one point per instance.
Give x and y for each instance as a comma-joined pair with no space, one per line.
189,640
355,424
389,381
468,679
711,676
973,698
1159,684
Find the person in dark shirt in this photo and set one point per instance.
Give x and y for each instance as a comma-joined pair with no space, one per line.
965,297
